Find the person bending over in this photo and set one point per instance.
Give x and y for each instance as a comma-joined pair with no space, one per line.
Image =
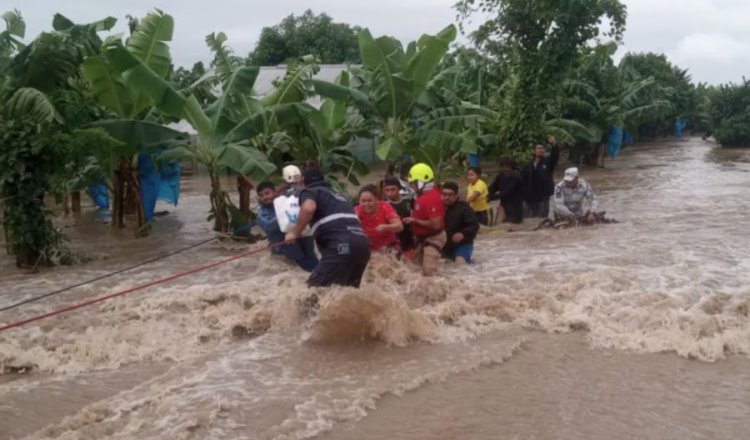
570,195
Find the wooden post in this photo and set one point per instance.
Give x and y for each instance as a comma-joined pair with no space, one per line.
244,186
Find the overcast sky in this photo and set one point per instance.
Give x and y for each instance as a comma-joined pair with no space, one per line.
709,37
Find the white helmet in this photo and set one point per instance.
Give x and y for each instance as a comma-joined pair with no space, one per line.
291,173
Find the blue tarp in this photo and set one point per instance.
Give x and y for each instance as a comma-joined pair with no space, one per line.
162,184
615,141
627,138
679,127
473,159
100,195
169,188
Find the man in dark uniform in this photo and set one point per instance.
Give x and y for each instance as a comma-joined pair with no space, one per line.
538,179
338,233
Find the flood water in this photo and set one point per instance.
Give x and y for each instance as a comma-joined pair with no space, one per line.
634,330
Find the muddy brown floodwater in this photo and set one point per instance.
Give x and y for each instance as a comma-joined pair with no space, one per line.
635,330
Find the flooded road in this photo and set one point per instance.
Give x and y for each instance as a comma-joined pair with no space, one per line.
634,330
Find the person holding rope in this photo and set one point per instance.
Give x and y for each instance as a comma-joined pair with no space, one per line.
302,251
344,247
428,218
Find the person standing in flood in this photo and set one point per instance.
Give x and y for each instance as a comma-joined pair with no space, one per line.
508,188
427,219
302,251
403,207
344,247
477,195
461,226
379,220
538,179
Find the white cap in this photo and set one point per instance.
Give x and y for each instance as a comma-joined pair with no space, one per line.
290,173
571,174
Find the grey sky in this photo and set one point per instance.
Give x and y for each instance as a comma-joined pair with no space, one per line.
709,37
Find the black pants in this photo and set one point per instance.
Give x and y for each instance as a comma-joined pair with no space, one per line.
343,262
537,209
483,217
513,211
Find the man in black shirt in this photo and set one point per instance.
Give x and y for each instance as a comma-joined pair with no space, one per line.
508,188
461,225
538,179
344,247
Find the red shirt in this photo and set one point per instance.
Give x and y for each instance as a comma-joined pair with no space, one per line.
428,206
382,216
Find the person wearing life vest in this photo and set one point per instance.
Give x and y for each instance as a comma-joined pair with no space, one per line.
428,218
344,247
302,251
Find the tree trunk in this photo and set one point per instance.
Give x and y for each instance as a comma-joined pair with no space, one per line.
244,186
66,204
75,198
118,193
218,203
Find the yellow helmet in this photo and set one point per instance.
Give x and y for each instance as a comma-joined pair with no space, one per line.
421,172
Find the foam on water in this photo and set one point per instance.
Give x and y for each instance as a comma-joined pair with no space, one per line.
248,364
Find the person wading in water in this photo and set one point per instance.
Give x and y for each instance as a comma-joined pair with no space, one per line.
427,220
538,179
344,247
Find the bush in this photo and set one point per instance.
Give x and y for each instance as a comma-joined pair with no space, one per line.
730,114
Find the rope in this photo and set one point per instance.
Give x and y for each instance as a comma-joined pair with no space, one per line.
93,280
136,288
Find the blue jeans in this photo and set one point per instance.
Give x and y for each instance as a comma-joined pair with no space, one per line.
464,251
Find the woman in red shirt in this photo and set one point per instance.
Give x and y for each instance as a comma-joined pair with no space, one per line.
379,220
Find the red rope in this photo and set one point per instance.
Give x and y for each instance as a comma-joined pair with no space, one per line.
133,289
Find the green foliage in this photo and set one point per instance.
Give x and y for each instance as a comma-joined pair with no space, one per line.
730,114
27,159
671,84
539,40
307,34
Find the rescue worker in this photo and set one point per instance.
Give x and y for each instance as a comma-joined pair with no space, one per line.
461,225
344,247
427,219
538,179
302,251
569,196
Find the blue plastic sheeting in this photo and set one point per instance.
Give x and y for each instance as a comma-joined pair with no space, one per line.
473,159
627,138
162,183
615,141
100,195
150,182
679,127
169,188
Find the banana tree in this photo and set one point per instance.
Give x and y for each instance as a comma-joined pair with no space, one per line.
323,135
397,90
224,129
130,122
